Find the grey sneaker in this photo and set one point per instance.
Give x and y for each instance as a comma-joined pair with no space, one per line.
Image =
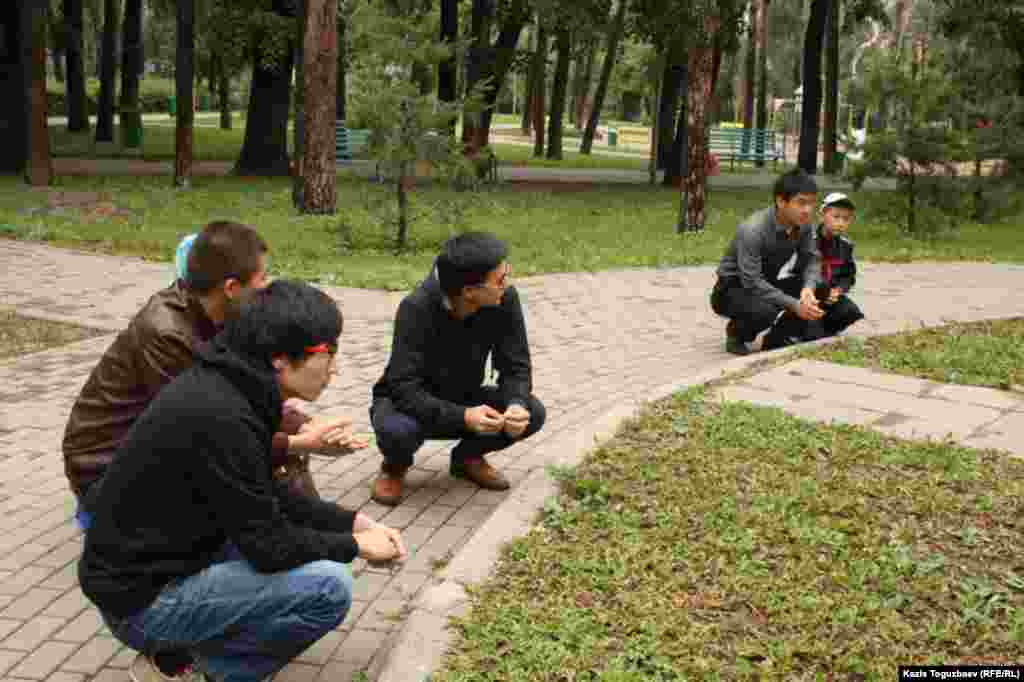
144,669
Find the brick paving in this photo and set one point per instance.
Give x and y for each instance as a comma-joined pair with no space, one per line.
599,340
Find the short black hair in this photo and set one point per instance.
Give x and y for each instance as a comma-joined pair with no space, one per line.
285,318
223,250
794,182
466,259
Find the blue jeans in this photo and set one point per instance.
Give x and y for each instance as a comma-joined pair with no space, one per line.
240,624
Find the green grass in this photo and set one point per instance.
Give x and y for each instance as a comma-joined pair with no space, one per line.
20,335
973,353
725,542
520,155
605,227
209,142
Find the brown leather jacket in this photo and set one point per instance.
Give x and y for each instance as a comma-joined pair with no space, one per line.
156,346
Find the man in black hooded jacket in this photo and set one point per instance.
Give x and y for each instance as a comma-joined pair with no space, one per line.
192,545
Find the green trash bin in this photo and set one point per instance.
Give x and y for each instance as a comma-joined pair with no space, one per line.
172,106
132,135
613,137
204,102
839,160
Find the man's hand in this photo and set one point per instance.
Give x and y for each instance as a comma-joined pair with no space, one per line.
516,420
834,294
331,436
362,522
484,419
380,544
808,308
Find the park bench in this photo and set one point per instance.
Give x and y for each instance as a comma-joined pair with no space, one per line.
746,144
349,142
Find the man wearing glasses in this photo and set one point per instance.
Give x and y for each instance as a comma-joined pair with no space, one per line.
751,289
432,387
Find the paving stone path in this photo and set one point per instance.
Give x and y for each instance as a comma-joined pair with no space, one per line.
599,340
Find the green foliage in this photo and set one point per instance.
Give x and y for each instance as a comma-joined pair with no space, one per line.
920,145
711,541
975,353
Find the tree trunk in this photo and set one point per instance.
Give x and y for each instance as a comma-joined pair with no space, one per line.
39,171
13,87
403,206
672,82
540,58
700,72
299,110
77,109
447,78
811,105
652,166
582,89
563,39
320,81
674,159
612,51
57,57
526,122
265,147
224,95
479,55
749,65
108,69
184,75
761,119
131,67
832,91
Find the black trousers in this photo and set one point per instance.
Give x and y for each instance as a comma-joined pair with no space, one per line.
750,315
399,435
838,316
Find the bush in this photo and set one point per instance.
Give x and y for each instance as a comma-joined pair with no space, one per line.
154,93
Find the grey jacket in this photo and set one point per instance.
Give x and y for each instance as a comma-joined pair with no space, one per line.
760,250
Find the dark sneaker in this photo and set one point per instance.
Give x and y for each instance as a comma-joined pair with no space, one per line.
736,347
480,472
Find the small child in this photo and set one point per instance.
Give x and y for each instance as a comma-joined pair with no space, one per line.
838,268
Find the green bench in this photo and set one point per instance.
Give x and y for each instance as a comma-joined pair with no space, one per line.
746,144
348,142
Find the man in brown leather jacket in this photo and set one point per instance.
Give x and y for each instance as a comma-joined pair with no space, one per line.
226,262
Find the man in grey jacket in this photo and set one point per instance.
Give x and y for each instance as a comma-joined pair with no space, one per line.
749,290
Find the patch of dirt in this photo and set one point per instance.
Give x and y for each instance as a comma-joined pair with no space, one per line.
91,205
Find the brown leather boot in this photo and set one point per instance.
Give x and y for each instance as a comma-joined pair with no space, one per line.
387,489
480,472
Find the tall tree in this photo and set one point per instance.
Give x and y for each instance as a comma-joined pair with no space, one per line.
447,80
108,70
832,90
131,68
673,75
539,94
581,85
184,74
563,40
39,170
320,80
807,157
615,31
75,97
13,87
265,144
750,65
761,118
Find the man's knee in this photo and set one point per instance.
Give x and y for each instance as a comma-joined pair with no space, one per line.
538,415
397,434
328,588
845,313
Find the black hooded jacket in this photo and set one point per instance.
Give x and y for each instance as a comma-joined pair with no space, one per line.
194,473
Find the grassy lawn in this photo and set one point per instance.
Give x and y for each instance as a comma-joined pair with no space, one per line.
21,335
974,353
601,228
724,542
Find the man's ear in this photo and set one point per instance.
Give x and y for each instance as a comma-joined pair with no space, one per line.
231,288
279,362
